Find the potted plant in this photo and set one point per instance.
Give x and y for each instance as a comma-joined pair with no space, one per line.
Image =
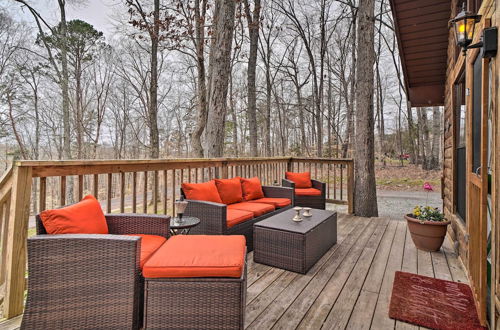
427,226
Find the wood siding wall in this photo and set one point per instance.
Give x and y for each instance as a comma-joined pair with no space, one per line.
459,232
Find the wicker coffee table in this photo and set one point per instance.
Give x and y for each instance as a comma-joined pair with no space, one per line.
295,246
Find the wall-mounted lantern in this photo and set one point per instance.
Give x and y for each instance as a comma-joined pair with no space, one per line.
464,25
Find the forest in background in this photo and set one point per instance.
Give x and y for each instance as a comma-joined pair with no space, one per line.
67,92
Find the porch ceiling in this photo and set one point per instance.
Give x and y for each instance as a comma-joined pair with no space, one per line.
422,32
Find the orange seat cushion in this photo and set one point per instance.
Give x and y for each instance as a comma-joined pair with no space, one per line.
301,180
229,190
206,191
252,188
257,209
84,217
276,202
234,217
307,192
149,244
198,256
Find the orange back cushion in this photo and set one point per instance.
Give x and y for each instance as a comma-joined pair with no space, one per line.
252,188
206,191
301,180
229,190
84,217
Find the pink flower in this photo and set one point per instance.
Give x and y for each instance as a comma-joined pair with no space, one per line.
428,187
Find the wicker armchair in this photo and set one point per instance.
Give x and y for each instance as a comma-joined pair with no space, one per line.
83,281
213,215
316,202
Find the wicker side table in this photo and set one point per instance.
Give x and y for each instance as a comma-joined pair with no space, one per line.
295,246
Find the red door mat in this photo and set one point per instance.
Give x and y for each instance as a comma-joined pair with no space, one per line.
433,303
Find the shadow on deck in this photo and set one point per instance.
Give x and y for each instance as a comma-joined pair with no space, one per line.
350,287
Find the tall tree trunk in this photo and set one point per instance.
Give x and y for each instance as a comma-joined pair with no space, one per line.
433,162
201,117
219,71
267,119
154,137
411,134
365,192
64,81
253,19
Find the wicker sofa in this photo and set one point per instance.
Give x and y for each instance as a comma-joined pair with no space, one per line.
315,201
213,215
89,280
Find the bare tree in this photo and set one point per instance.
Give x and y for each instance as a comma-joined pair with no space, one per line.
219,70
253,20
365,197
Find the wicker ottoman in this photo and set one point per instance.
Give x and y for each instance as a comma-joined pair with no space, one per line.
295,246
179,296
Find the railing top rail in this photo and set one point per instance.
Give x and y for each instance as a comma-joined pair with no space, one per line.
100,162
6,176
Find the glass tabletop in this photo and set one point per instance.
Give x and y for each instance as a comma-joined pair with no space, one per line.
185,222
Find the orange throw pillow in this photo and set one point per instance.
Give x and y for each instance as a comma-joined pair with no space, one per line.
229,190
84,217
301,180
206,191
252,188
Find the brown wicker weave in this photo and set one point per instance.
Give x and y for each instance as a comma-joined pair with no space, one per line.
315,202
195,303
213,216
282,243
88,281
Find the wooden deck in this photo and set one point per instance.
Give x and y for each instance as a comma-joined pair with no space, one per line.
349,288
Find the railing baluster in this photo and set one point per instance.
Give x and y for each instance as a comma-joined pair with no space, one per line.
173,192
95,186
122,192
43,194
145,194
155,192
334,181
109,195
165,191
328,184
134,192
62,197
341,182
80,187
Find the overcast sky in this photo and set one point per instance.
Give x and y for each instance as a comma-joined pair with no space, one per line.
99,13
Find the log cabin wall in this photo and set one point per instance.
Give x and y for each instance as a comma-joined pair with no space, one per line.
458,231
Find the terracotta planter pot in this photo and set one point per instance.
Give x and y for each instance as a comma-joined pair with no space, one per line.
427,235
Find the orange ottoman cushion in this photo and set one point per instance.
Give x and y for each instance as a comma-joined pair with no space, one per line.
234,217
206,191
84,217
198,256
252,188
257,209
149,244
307,192
276,202
301,180
229,190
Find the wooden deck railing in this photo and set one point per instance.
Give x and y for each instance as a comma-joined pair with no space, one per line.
134,186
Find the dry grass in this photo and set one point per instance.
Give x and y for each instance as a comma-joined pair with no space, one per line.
408,177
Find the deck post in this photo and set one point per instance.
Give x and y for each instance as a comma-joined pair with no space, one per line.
17,228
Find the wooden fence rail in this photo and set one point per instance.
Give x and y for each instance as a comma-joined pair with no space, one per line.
132,186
